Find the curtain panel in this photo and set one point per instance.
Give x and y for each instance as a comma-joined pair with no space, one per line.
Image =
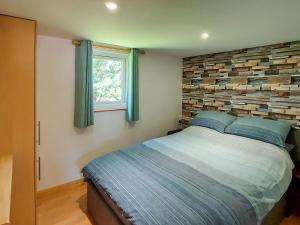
132,110
84,110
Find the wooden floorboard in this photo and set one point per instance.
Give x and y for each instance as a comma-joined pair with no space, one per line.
68,207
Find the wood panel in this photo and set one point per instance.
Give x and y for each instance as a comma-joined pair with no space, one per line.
262,81
5,187
17,108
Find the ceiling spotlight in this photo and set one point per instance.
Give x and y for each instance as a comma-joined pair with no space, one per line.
204,35
111,6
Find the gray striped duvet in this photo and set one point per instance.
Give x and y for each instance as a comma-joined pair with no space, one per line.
197,176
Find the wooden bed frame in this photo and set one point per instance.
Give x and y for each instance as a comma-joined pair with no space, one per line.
104,211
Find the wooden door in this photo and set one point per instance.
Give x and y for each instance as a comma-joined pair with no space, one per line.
17,113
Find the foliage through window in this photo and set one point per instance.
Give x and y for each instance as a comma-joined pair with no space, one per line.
109,71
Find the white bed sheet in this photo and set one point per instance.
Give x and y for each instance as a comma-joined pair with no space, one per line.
260,171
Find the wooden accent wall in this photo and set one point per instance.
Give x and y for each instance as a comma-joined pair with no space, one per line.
17,112
262,81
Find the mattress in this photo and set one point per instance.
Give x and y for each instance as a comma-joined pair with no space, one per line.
197,176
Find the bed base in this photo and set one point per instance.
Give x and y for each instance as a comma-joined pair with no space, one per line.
104,210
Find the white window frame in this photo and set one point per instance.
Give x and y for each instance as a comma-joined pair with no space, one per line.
117,105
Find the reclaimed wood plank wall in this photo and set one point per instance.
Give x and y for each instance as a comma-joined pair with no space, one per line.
262,81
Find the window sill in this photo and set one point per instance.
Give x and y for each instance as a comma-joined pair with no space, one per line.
108,110
109,107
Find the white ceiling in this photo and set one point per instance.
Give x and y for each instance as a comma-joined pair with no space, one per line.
166,26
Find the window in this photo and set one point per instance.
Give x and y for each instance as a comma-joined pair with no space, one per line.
109,73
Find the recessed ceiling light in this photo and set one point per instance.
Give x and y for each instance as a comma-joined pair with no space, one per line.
204,35
111,6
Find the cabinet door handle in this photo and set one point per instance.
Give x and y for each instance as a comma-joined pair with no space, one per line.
39,170
39,133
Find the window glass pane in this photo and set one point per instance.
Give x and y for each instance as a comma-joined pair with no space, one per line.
107,79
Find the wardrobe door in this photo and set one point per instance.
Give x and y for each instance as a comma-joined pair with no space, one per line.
17,109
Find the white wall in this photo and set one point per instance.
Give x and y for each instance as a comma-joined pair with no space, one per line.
64,150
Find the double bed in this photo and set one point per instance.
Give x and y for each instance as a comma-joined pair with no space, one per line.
196,176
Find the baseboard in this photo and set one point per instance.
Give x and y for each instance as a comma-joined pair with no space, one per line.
60,188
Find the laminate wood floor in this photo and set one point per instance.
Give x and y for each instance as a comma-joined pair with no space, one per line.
68,207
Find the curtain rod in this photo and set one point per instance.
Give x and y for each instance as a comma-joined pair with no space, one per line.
109,47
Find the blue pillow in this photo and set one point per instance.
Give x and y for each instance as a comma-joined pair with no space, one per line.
271,131
213,119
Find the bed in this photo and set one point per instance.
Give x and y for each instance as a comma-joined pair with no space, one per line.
196,176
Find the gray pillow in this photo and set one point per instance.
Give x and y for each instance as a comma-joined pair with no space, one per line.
213,119
271,131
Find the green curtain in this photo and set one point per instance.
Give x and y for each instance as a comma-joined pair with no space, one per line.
132,112
84,111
